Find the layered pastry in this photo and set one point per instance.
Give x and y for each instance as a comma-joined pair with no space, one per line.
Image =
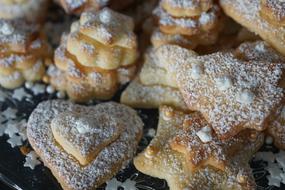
23,53
84,146
30,10
187,153
96,57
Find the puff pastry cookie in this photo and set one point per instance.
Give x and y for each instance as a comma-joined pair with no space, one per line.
232,94
31,10
153,86
186,140
249,14
23,52
84,146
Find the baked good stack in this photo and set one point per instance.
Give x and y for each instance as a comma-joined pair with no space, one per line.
23,54
187,23
97,56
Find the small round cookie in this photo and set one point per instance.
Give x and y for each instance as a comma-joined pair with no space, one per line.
89,145
187,25
186,8
273,11
24,51
30,10
103,39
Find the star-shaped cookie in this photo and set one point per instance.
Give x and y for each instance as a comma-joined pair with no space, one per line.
161,158
231,94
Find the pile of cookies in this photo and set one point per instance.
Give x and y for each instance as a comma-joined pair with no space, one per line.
215,109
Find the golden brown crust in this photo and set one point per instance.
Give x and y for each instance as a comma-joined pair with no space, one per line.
273,11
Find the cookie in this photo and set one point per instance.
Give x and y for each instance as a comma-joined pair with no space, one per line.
84,83
77,7
84,146
187,25
23,53
247,13
186,8
30,10
138,95
232,94
273,11
103,39
163,158
154,86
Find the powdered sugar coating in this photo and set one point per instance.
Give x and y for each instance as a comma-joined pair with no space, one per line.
221,108
63,165
259,51
21,35
108,27
276,8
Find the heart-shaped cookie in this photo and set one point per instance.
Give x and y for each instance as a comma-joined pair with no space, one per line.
84,146
83,135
